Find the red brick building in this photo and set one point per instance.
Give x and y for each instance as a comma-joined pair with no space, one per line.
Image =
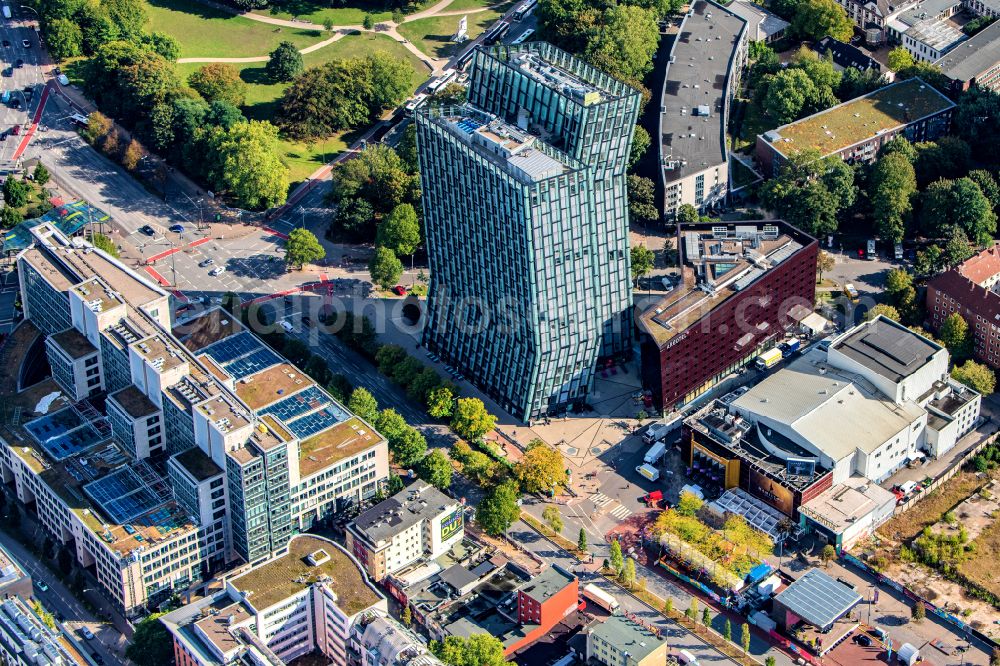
542,603
971,290
740,281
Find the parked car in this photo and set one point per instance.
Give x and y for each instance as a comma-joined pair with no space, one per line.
98,659
206,262
15,130
87,633
399,290
286,326
41,585
63,80
148,230
177,228
218,270
26,43
862,639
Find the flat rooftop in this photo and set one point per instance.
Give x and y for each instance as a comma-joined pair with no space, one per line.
206,329
694,91
421,501
844,504
135,403
972,57
97,295
160,353
74,343
717,264
224,414
887,348
520,154
635,639
198,464
862,118
271,385
54,272
818,599
548,583
218,626
291,573
341,441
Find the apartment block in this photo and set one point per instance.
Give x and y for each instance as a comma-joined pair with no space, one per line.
312,598
740,283
971,290
417,523
975,61
694,114
163,451
855,130
619,641
526,217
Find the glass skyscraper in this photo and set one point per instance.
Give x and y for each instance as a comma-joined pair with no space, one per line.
526,217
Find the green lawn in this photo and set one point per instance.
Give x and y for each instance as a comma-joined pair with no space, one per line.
433,35
316,11
457,5
263,96
205,32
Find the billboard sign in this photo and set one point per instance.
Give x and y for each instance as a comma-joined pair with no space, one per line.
772,492
452,524
801,467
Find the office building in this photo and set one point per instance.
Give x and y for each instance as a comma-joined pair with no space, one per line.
703,75
848,512
619,641
846,56
740,282
857,129
162,452
971,290
526,218
312,599
385,642
975,61
417,523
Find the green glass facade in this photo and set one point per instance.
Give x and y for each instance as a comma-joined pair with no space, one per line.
530,277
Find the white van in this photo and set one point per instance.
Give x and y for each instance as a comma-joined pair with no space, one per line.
6,12
686,658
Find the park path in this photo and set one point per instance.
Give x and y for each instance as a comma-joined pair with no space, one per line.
309,49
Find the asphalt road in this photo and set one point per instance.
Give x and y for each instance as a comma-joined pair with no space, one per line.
29,75
108,641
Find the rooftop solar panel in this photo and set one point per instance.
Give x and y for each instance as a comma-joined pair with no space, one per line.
231,348
295,405
818,599
64,433
259,360
125,495
318,421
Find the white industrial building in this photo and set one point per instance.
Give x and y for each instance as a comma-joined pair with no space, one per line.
872,402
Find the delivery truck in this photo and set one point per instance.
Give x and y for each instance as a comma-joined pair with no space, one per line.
659,430
648,471
654,454
769,359
601,598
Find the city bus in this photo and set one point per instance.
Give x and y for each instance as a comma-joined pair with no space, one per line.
525,9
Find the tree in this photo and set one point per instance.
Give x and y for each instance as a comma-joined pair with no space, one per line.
824,263
581,541
641,142
391,424
988,185
642,198
452,93
400,231
668,606
976,376
692,610
788,91
406,617
770,660
958,248
948,157
10,217
687,214
133,154
977,120
477,650
440,402
954,334
745,637
542,469
127,81
897,281
499,509
40,174
628,573
284,63
899,144
471,420
899,59
436,469
219,81
815,19
973,212
727,630
857,82
151,643
385,267
378,175
642,261
617,559
884,310
810,191
15,192
553,519
626,42
249,165
355,218
303,248
363,404
928,261
828,554
918,611
688,504
63,39
102,242
892,183
706,617
162,44
369,22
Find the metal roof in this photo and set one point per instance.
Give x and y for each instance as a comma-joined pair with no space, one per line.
891,350
818,599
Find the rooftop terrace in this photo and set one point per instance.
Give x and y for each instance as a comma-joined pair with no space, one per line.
74,343
197,464
206,329
289,574
276,383
341,441
852,122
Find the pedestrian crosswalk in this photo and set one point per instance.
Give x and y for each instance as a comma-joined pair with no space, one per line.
621,512
600,499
